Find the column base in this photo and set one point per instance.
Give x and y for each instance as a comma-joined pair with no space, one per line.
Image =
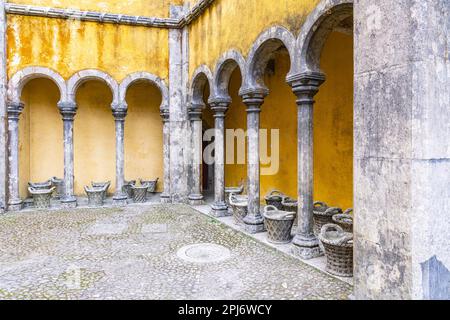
196,199
165,198
219,209
306,247
120,200
15,205
69,202
254,224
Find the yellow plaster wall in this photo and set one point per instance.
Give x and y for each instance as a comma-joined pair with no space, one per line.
152,8
333,126
94,136
69,46
236,24
143,134
41,144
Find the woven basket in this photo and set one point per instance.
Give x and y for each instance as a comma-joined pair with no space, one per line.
239,205
323,215
41,197
344,220
59,185
235,190
274,198
127,188
338,247
96,195
278,225
140,193
290,205
151,184
103,185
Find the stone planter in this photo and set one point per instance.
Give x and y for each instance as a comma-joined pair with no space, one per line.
151,184
290,205
127,188
322,215
278,225
140,193
96,195
234,190
59,185
344,220
338,248
274,198
103,185
41,197
239,205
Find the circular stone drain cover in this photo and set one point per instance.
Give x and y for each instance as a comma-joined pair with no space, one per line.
204,253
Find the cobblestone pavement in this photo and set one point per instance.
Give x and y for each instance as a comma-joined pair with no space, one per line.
131,253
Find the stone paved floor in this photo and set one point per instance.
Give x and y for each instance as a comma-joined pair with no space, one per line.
131,253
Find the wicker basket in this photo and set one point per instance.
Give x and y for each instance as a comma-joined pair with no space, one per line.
235,190
274,198
103,185
290,205
140,193
41,197
96,195
127,188
59,185
323,215
338,247
151,184
239,205
278,225
344,220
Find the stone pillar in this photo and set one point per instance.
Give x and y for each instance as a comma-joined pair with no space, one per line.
3,108
165,196
219,207
305,87
195,116
119,113
68,111
14,111
402,149
254,222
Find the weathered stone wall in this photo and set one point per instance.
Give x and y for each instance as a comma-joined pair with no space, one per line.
3,88
402,149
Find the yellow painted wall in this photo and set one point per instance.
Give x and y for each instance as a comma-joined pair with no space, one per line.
152,8
236,24
41,144
69,46
94,136
143,134
333,126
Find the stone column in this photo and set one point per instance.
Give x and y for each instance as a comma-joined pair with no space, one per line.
119,113
68,111
3,109
14,111
165,196
195,116
254,222
305,87
219,207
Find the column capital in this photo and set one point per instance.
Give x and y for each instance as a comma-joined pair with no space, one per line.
306,84
195,111
165,114
67,109
253,99
14,110
219,106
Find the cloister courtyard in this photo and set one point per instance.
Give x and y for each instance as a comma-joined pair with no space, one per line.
138,252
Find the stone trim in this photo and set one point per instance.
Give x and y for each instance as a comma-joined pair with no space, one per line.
91,74
323,20
138,76
115,18
22,77
200,78
225,66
